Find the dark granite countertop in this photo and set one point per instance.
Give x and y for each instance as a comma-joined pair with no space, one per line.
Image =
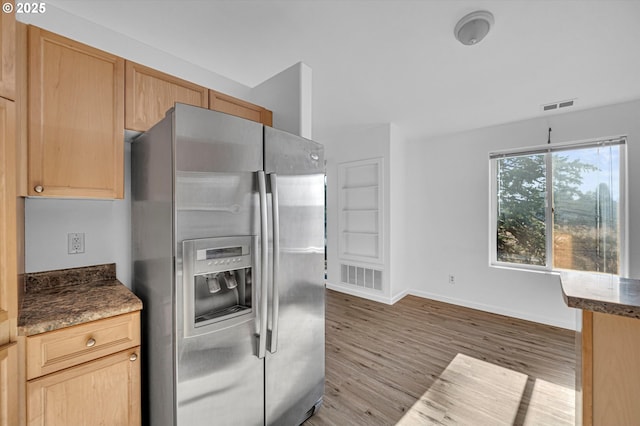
601,293
66,297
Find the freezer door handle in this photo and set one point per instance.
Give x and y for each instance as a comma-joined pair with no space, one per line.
264,270
275,301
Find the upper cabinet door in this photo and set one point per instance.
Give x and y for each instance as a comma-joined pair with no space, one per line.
76,119
7,53
150,93
234,106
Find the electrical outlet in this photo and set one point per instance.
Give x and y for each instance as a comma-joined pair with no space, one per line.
452,279
75,242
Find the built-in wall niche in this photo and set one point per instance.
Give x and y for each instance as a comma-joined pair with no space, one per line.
360,207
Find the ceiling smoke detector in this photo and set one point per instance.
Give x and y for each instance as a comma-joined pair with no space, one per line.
472,28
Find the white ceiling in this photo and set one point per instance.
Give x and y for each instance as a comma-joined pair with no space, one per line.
398,61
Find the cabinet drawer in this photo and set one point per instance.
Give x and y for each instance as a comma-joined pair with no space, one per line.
63,348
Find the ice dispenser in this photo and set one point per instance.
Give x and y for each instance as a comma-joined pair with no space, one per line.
218,281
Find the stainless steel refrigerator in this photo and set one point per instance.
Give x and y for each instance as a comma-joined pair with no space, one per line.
228,248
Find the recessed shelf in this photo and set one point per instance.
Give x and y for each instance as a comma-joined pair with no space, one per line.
360,204
375,234
346,210
360,187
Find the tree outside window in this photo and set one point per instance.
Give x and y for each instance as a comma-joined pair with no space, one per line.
577,226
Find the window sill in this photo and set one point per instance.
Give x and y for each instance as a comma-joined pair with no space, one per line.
525,269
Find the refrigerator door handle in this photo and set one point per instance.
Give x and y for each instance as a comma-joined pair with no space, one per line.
264,270
275,301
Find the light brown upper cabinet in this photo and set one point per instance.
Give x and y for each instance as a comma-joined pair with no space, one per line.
150,93
234,106
76,119
7,53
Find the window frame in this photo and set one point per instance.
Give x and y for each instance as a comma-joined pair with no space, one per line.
548,150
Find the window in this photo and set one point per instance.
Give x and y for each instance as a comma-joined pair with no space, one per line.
560,207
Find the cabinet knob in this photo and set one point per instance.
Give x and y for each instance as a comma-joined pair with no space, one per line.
91,342
38,189
133,357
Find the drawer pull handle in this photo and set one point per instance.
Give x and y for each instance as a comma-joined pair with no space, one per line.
91,342
38,189
133,357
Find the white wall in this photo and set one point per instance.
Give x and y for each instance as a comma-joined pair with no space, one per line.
384,141
107,223
401,275
361,144
288,95
448,213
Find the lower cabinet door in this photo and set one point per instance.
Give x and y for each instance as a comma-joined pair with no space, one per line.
9,384
101,392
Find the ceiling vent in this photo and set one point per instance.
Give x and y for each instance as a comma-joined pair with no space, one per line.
558,105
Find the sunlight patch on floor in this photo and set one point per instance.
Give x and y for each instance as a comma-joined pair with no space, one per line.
550,404
469,391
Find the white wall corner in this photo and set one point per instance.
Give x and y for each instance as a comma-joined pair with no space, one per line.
399,278
288,95
306,101
399,296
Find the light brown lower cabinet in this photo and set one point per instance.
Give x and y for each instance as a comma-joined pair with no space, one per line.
610,369
101,392
87,374
8,384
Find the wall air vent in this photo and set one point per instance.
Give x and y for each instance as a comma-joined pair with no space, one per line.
361,277
558,105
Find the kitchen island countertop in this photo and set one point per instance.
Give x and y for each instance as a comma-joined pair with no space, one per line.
67,297
602,293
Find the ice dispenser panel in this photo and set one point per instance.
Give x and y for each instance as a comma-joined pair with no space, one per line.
218,279
219,295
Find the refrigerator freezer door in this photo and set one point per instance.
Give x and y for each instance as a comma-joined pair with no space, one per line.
295,371
217,157
219,378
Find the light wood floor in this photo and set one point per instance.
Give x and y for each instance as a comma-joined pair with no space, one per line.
423,362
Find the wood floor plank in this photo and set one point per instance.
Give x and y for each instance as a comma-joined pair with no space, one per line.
425,362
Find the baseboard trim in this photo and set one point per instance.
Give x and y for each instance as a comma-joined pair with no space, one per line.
493,309
359,293
399,296
454,301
